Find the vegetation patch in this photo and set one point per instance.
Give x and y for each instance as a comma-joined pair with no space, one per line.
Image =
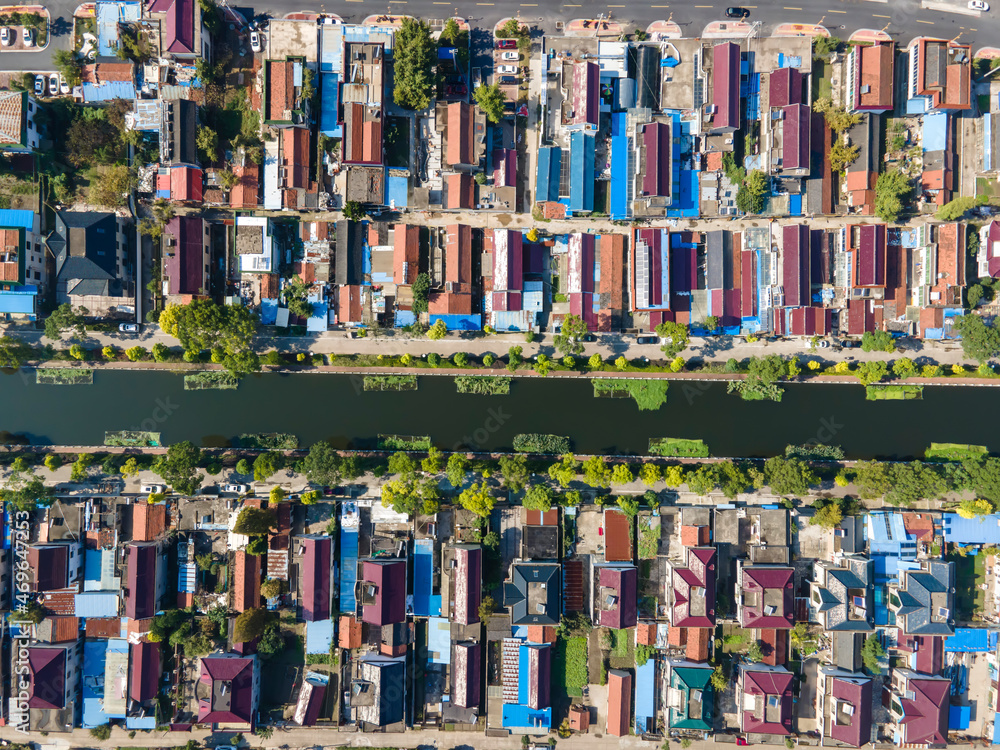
570,667
535,443
649,537
483,385
63,376
268,441
894,392
649,395
132,439
211,380
677,447
954,452
390,382
404,442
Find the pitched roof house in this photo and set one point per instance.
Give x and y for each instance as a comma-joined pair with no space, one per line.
466,583
533,593
869,77
764,695
842,594
246,581
616,592
466,679
181,32
693,590
940,70
383,591
141,599
619,702
847,707
186,255
378,693
228,691
90,262
726,87
691,697
317,572
918,708
923,601
766,596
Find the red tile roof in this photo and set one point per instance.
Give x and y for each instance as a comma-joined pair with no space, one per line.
406,253
460,125
148,521
619,702
698,640
460,190
774,645
246,581
244,192
104,72
295,161
617,536
103,627
349,308
873,78
281,90
350,632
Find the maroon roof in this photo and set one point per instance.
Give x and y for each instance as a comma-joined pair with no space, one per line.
236,704
656,169
810,321
508,272
993,249
785,87
699,575
581,263
795,137
726,86
184,262
871,255
854,729
624,582
389,601
466,690
504,167
572,586
925,716
774,587
468,584
651,239
748,286
145,674
317,566
178,31
47,674
140,597
860,317
51,566
312,693
762,684
795,258
586,90
539,675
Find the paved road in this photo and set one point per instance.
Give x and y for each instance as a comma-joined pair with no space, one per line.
60,37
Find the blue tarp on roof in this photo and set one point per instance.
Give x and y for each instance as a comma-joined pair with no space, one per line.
459,322
447,53
108,91
319,636
581,171
329,102
397,190
549,166
516,716
984,530
619,177
959,717
795,205
425,602
318,321
19,300
137,722
935,131
93,683
645,697
268,312
972,640
348,568
438,641
405,318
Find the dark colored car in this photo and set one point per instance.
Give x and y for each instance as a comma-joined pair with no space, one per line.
647,340
848,344
737,12
506,44
508,80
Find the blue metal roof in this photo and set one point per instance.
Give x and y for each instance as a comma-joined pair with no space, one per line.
645,697
457,322
93,683
887,535
398,190
985,530
619,177
108,91
16,217
348,568
959,717
438,641
971,640
96,604
549,166
935,131
425,602
317,322
329,102
268,312
108,15
319,636
19,301
516,716
406,318
581,171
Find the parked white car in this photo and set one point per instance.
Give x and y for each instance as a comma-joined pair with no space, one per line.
152,489
28,37
256,41
54,84
979,5
239,489
510,54
63,86
507,70
6,36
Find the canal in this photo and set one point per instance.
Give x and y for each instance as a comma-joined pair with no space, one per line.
334,407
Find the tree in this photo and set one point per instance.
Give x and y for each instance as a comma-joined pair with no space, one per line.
872,654
297,297
491,100
322,464
272,588
414,55
437,331
69,66
571,333
402,465
433,462
711,323
871,371
719,680
824,46
913,482
842,156
201,324
421,290
207,141
789,476
161,352
977,508
755,653
243,467
751,193
309,498
487,606
53,462
565,470
674,337
538,497
255,521
595,361
13,353
650,474
514,358
64,318
959,207
827,516
622,474
26,492
276,495
456,468
904,368
179,467
837,118
112,190
980,339
478,499
250,624
596,472
872,478
266,465
760,383
77,352
891,189
101,732
354,211
514,470
802,640
877,341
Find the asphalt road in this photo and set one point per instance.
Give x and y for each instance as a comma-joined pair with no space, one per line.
60,37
